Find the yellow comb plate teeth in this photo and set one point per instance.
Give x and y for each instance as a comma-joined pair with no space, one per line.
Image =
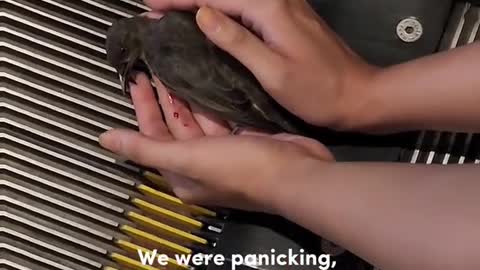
165,228
131,262
135,248
167,213
155,239
170,199
157,180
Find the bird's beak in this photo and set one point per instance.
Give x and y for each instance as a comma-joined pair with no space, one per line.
123,84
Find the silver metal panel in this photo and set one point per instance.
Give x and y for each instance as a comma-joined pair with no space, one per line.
64,199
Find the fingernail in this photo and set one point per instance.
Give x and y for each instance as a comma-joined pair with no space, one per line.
287,137
153,15
109,141
251,132
209,20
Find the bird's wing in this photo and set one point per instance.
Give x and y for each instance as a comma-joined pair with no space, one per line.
196,70
198,74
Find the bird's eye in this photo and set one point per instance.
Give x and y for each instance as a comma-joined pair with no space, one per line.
123,50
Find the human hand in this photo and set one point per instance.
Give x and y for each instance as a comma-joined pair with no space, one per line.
203,163
297,59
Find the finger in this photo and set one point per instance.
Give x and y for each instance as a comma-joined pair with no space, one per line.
189,191
314,147
211,125
207,158
135,146
153,15
241,44
178,116
253,132
235,8
149,115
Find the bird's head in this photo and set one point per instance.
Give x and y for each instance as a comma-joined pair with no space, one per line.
124,48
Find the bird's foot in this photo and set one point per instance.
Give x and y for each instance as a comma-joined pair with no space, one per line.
128,81
236,130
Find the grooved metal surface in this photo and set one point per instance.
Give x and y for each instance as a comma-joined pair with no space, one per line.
66,203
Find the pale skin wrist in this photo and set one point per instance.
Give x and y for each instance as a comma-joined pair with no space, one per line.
360,105
438,92
283,194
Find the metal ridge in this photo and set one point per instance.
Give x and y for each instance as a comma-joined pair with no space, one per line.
66,203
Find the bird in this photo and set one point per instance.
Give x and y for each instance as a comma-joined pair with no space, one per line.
176,51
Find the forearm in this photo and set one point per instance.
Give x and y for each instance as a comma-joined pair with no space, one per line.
397,216
440,92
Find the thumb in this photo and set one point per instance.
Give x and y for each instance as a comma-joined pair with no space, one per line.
242,44
144,150
314,147
198,159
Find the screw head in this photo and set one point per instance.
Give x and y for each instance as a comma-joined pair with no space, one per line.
410,29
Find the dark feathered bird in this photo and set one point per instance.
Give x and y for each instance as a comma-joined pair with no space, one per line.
175,50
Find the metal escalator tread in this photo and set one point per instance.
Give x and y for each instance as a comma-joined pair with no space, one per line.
66,203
